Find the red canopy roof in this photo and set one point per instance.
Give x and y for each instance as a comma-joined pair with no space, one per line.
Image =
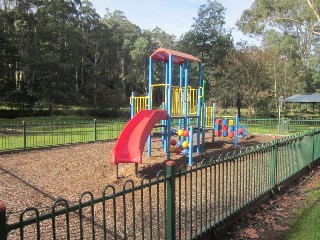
162,54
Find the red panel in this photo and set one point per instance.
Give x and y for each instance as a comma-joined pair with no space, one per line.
218,121
225,128
218,133
162,54
231,134
133,137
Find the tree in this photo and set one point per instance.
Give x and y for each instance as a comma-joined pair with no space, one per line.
245,79
209,40
159,38
122,36
293,20
314,5
58,51
17,26
8,54
62,52
284,64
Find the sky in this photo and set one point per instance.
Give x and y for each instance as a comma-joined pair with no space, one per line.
172,16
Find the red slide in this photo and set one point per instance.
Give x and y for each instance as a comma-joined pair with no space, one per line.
133,137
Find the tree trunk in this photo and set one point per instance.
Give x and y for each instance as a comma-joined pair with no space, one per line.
239,104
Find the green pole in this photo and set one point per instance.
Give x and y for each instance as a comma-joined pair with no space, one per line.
273,165
171,207
24,134
95,130
312,147
203,84
204,115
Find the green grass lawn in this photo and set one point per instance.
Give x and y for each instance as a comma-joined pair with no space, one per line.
59,130
40,134
69,118
306,226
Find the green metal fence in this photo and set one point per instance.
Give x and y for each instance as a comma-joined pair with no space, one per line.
278,126
300,125
33,135
181,203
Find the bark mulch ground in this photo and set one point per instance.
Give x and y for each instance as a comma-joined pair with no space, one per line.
39,177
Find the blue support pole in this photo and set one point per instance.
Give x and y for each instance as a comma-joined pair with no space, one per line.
181,75
180,85
166,81
236,130
150,83
169,106
164,132
185,99
191,146
132,107
149,146
150,99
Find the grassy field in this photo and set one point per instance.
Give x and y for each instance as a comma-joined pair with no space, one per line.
41,134
306,226
61,130
70,118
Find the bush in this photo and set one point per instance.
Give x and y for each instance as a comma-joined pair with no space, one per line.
10,114
264,108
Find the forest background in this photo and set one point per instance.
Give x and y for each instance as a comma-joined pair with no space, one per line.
61,54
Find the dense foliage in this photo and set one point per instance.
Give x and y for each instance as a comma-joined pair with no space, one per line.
62,53
290,35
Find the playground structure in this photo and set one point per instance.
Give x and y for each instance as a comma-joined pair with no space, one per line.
182,102
227,126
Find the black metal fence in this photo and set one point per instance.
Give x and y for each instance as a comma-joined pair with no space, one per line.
181,203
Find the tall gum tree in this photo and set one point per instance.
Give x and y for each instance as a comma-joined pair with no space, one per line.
210,40
294,19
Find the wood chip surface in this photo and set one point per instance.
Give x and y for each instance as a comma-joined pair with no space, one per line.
36,178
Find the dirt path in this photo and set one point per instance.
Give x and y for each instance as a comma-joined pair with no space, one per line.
271,220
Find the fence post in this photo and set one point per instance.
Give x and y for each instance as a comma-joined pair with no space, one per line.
273,164
3,222
94,130
312,147
24,126
171,210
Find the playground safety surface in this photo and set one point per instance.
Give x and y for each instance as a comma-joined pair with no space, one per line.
39,177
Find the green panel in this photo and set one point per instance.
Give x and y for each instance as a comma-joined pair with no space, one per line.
316,142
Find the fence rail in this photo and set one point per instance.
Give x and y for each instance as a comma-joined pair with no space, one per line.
279,126
181,203
34,135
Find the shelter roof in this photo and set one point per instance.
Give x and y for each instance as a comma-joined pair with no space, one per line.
162,54
304,98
